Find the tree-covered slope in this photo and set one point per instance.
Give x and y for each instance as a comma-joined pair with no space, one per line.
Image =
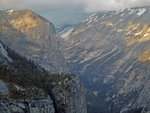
26,87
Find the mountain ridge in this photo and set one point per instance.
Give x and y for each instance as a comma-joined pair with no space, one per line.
109,52
33,37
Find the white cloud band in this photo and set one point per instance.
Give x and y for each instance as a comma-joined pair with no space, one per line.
88,5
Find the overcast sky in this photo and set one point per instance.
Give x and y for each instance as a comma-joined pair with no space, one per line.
67,11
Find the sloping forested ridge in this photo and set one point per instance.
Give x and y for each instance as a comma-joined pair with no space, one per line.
26,74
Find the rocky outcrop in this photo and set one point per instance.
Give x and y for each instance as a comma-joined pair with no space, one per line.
60,93
67,96
4,55
20,106
70,100
3,89
25,105
33,37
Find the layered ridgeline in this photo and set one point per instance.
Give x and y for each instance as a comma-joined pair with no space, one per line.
110,52
27,88
33,37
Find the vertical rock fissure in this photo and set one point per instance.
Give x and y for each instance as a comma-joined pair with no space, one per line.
27,110
54,103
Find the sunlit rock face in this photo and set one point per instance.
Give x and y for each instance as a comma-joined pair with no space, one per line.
33,37
109,51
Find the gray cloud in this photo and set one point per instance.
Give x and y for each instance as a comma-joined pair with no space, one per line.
103,5
88,5
37,4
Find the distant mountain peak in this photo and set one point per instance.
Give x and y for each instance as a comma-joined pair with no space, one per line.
32,36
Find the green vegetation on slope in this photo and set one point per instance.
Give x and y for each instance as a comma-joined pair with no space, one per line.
26,74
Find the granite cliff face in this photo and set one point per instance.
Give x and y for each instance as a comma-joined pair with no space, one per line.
32,106
109,51
25,88
66,97
71,100
33,37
